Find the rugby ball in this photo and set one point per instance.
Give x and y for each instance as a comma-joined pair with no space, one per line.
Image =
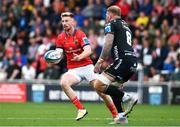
53,56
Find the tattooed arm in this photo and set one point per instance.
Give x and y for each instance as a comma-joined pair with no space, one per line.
106,51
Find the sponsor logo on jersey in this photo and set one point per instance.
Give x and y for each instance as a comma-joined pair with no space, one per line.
76,42
108,28
73,50
85,40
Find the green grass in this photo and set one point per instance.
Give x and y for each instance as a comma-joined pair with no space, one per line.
63,114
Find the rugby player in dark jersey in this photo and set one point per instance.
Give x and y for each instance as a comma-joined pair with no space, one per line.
118,46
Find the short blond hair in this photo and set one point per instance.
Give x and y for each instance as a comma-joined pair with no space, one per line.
67,14
114,10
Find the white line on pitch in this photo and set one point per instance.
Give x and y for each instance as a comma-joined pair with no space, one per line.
57,126
14,118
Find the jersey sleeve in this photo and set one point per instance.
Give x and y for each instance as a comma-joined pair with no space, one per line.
109,28
59,42
83,39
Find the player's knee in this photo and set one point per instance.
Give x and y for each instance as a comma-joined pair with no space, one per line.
99,86
67,81
64,82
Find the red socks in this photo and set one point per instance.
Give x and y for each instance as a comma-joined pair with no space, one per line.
77,103
111,107
113,110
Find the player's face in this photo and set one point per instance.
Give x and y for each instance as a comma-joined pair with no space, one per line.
67,23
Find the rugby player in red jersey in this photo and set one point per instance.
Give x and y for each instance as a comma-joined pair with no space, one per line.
74,43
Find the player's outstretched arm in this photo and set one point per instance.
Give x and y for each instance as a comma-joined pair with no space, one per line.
87,52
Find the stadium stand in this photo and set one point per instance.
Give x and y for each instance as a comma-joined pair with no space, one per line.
29,28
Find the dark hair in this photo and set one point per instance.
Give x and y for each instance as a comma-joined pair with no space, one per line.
67,14
30,60
115,10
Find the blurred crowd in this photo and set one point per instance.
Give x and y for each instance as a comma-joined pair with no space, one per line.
28,28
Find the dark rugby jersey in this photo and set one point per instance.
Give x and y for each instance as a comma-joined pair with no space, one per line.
122,43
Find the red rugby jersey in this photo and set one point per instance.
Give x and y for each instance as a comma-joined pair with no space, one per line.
73,44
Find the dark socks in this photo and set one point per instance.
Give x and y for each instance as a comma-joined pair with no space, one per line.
116,95
118,104
114,92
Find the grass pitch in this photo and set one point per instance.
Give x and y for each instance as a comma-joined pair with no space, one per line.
63,114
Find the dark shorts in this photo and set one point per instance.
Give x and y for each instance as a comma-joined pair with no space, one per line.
122,69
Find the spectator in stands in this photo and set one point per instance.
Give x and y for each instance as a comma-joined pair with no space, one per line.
52,72
175,25
13,70
170,4
151,33
158,34
24,24
176,75
145,33
39,24
11,29
41,63
86,26
57,7
145,57
164,30
166,15
154,76
37,4
79,17
159,54
4,32
92,37
173,52
22,46
32,49
100,43
142,20
138,35
71,4
124,6
101,38
98,9
28,71
88,11
1,51
176,9
135,6
154,18
170,61
45,13
146,7
174,38
16,8
137,47
158,7
4,13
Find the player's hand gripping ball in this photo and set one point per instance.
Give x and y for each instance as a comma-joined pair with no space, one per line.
53,56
